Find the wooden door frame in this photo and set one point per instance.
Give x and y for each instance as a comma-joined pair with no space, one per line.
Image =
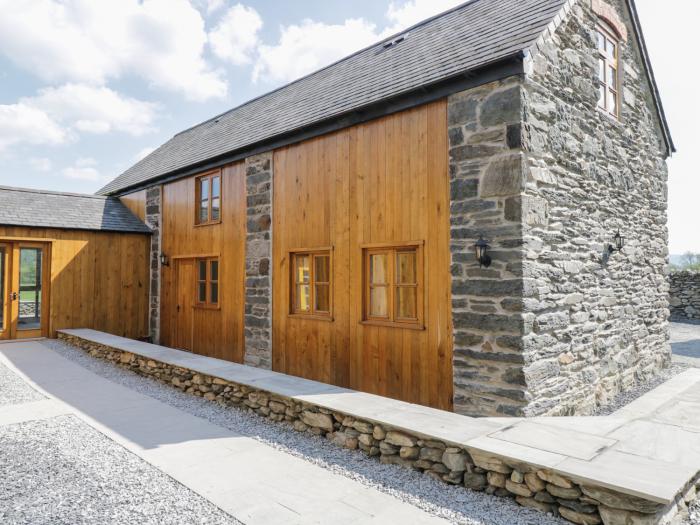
176,331
13,330
5,285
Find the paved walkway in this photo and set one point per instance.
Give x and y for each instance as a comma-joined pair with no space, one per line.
685,342
247,479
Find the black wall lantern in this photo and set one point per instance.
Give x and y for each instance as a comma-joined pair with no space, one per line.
164,261
617,244
480,249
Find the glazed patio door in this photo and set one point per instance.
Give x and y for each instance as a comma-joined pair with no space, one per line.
23,305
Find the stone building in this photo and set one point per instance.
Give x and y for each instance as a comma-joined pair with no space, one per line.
433,218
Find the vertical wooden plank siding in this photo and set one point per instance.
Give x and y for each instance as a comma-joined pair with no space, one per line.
136,202
382,182
98,280
217,332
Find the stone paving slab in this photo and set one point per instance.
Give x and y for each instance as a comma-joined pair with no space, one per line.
592,450
251,481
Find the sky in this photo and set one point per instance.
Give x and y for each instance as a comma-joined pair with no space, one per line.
89,87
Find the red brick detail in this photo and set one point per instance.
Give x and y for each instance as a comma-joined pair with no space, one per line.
609,14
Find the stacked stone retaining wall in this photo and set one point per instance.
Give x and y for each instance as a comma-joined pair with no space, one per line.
685,296
527,484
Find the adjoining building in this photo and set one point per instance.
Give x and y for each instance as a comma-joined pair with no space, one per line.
469,215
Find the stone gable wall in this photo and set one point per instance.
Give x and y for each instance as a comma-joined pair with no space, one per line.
154,197
685,296
595,324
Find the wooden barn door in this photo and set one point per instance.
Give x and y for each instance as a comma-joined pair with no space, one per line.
185,291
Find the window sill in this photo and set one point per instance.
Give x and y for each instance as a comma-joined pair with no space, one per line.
312,317
202,224
612,119
392,324
206,307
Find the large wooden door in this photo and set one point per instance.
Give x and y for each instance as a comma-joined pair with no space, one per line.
185,303
23,290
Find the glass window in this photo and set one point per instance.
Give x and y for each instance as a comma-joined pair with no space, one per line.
608,67
208,282
393,287
208,198
29,288
311,283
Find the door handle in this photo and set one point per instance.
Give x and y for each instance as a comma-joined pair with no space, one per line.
178,307
14,296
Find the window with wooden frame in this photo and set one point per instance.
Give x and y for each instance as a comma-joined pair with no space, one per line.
311,290
608,69
208,199
393,287
207,283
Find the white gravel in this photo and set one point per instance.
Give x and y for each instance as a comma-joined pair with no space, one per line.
13,390
60,471
454,503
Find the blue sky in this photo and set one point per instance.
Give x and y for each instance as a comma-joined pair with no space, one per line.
88,87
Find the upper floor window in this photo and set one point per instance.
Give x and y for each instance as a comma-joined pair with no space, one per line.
208,199
393,285
608,70
208,282
311,283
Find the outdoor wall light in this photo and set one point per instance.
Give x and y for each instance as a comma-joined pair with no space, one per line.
617,244
164,261
480,249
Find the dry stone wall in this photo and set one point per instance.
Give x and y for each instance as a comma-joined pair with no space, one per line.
685,296
528,485
595,324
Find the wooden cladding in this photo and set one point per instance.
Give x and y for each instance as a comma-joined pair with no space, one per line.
380,188
202,296
93,280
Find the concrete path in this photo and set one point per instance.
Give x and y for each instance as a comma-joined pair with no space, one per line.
247,479
685,343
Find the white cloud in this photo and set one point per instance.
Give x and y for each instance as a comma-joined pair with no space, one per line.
95,109
145,152
83,169
405,14
310,46
161,41
40,164
21,123
235,37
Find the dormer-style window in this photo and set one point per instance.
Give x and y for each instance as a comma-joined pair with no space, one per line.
608,70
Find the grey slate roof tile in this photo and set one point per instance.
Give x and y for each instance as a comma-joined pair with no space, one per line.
476,34
37,208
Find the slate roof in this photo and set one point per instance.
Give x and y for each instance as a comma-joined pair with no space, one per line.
469,37
45,209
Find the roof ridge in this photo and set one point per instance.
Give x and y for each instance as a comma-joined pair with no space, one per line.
50,192
342,59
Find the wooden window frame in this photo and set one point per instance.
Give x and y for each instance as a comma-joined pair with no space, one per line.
208,281
392,319
609,61
210,176
312,313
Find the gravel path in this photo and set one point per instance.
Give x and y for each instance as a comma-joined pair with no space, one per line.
13,390
61,471
454,503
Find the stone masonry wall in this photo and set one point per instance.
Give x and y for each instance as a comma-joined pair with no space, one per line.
153,221
594,324
486,179
685,296
258,280
528,485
